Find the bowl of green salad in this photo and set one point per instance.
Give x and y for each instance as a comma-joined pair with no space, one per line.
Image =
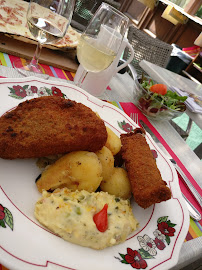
156,101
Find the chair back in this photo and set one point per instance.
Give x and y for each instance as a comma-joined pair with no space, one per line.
147,48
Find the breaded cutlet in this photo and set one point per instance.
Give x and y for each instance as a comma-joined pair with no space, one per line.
50,125
146,182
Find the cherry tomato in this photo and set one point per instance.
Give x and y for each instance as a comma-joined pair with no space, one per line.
159,89
101,220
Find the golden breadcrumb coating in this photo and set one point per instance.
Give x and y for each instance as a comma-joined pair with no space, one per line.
146,182
50,125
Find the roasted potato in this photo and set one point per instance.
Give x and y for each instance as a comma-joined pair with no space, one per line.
113,142
76,170
118,184
107,160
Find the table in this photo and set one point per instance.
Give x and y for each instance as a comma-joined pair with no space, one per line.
191,250
170,78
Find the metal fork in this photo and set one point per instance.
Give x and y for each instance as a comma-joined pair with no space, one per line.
134,117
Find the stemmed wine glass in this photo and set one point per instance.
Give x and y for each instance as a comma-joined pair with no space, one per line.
100,42
48,21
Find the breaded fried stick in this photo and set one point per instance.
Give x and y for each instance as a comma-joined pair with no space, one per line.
50,125
147,185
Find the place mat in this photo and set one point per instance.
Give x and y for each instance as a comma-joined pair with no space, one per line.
7,60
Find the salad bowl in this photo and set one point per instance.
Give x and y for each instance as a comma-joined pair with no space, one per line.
156,101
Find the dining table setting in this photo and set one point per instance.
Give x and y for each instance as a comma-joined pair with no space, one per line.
169,234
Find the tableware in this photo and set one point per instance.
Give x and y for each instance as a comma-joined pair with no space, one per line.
96,83
151,105
194,213
48,22
100,43
195,193
25,244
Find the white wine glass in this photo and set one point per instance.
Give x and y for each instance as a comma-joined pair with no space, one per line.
48,21
100,42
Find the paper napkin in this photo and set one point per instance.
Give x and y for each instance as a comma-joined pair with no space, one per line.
190,101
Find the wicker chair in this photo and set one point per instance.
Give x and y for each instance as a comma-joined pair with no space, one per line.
147,48
84,11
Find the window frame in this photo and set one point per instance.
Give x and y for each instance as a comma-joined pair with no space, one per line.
126,6
192,7
189,10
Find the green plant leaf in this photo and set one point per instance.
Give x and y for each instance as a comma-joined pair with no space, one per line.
2,224
162,219
8,218
167,239
144,254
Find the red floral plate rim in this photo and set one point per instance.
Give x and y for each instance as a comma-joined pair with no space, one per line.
155,245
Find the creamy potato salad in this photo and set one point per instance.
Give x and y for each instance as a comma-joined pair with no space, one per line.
96,220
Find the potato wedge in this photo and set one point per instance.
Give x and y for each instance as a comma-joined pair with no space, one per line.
77,171
107,160
118,184
113,142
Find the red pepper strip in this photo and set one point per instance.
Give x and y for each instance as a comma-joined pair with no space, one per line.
101,220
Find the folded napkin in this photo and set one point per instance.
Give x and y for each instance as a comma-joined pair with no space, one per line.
191,101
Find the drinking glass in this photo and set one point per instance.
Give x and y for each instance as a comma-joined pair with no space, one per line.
48,21
100,42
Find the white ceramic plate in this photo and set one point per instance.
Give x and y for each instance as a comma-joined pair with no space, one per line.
25,244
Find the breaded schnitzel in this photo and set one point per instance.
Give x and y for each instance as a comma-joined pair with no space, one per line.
146,182
50,125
